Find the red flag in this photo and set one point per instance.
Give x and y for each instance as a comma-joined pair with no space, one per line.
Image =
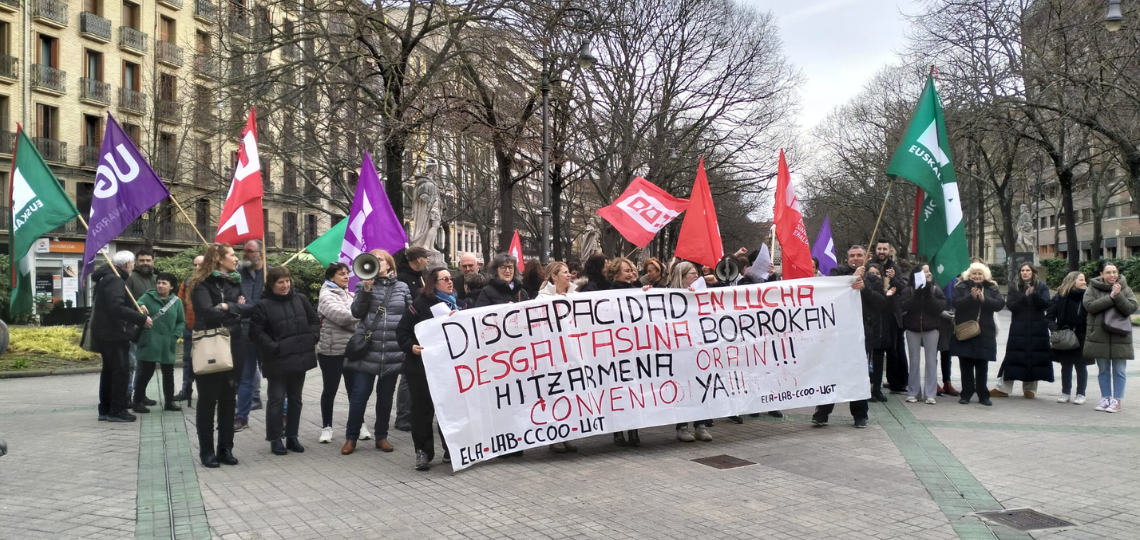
516,251
642,210
790,230
699,240
914,222
241,215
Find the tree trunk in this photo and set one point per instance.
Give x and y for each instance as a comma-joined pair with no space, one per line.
1073,245
394,174
556,229
506,207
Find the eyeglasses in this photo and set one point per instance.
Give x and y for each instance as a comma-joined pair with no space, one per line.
506,267
444,279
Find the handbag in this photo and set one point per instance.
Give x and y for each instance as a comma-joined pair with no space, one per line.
139,329
969,329
357,347
1116,322
1064,339
211,351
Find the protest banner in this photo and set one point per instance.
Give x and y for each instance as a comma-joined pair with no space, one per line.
516,376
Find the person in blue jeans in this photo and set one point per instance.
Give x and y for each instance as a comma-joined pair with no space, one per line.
1110,345
252,282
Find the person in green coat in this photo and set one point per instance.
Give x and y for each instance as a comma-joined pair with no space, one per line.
157,344
1111,350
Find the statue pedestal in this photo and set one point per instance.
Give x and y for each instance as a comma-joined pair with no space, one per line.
435,259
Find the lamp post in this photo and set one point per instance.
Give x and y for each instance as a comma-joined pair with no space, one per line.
586,60
1113,20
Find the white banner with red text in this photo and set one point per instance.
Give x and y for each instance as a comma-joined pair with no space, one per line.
523,375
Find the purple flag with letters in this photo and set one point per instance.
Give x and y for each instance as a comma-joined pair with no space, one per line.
125,188
824,248
371,223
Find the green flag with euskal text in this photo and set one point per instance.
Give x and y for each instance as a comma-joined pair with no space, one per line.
923,158
326,248
39,205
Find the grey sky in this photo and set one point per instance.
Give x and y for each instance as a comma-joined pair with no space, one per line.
838,45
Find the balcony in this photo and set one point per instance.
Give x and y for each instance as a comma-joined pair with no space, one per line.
205,11
166,167
49,80
207,66
172,4
131,40
71,228
168,111
131,101
89,156
165,231
169,53
51,149
50,12
10,5
94,92
239,26
9,68
290,239
7,142
205,119
94,27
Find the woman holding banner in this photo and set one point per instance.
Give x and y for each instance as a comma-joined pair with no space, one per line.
681,276
438,287
558,284
622,274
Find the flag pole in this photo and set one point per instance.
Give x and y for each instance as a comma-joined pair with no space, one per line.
113,269
188,220
881,210
295,255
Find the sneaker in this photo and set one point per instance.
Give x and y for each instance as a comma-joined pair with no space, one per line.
1079,400
912,399
703,434
122,416
364,434
684,435
422,461
773,414
240,424
818,422
860,423
930,401
1113,406
1103,405
1063,399
102,418
1029,394
736,419
149,402
326,435
998,393
139,408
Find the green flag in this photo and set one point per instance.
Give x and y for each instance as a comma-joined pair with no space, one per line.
326,249
39,205
923,157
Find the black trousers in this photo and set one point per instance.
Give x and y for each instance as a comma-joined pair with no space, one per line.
332,372
218,391
142,378
945,359
974,374
1067,369
859,410
115,376
281,386
878,361
898,372
423,410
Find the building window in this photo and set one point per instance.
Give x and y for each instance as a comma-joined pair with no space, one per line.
47,54
131,76
131,18
202,213
5,116
310,228
5,38
289,231
167,87
290,179
93,68
134,132
84,192
166,30
93,6
92,131
47,121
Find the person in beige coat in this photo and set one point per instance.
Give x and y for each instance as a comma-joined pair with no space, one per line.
337,326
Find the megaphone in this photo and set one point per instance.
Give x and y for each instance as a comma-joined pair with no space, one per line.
727,270
366,266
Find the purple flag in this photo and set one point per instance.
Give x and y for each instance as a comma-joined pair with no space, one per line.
824,248
125,188
371,223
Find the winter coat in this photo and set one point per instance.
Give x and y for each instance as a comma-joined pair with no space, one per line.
412,278
1069,312
644,280
874,300
285,329
187,304
384,355
922,308
968,308
419,311
1027,351
211,292
252,284
160,342
551,289
139,283
618,285
594,284
498,292
334,306
1098,299
946,326
114,317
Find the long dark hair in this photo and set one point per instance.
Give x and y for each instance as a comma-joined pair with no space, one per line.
1032,283
430,280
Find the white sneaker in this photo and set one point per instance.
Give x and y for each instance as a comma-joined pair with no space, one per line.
1063,399
1113,407
1103,405
703,434
1079,400
912,399
326,435
930,401
364,434
684,435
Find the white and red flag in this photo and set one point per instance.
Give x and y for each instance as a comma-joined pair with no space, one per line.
642,210
241,215
790,230
516,250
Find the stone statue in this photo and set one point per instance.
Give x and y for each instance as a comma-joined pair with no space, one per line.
1025,231
590,237
425,209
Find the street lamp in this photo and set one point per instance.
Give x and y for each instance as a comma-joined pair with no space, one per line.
1114,19
586,60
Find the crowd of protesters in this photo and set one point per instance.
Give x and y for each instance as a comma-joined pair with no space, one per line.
363,337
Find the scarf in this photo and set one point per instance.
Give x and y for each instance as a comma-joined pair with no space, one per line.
233,277
449,299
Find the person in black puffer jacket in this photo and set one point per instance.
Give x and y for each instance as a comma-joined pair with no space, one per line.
388,299
1027,354
114,321
1067,312
285,328
503,287
921,317
594,272
976,298
218,303
438,287
880,333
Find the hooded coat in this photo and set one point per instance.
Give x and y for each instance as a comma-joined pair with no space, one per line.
1069,312
285,328
1100,344
498,292
1027,353
160,342
114,317
968,308
384,354
334,306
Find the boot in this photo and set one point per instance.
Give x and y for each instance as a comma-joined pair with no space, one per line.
949,389
140,408
225,455
634,438
171,406
278,447
619,439
294,444
422,461
209,460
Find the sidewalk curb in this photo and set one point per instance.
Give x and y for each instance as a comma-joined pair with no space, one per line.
48,372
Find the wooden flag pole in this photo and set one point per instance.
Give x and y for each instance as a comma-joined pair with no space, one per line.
871,242
295,255
190,221
113,269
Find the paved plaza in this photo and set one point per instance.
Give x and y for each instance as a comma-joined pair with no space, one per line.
919,472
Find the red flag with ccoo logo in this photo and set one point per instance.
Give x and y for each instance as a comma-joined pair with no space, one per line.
642,210
242,220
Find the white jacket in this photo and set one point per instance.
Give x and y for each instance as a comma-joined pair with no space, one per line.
337,323
551,289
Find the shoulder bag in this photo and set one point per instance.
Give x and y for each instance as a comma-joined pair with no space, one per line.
211,351
1116,322
1064,339
969,329
358,344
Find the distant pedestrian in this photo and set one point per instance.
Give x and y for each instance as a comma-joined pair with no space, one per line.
977,299
945,332
158,343
1109,344
1027,355
880,333
1067,314
141,279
